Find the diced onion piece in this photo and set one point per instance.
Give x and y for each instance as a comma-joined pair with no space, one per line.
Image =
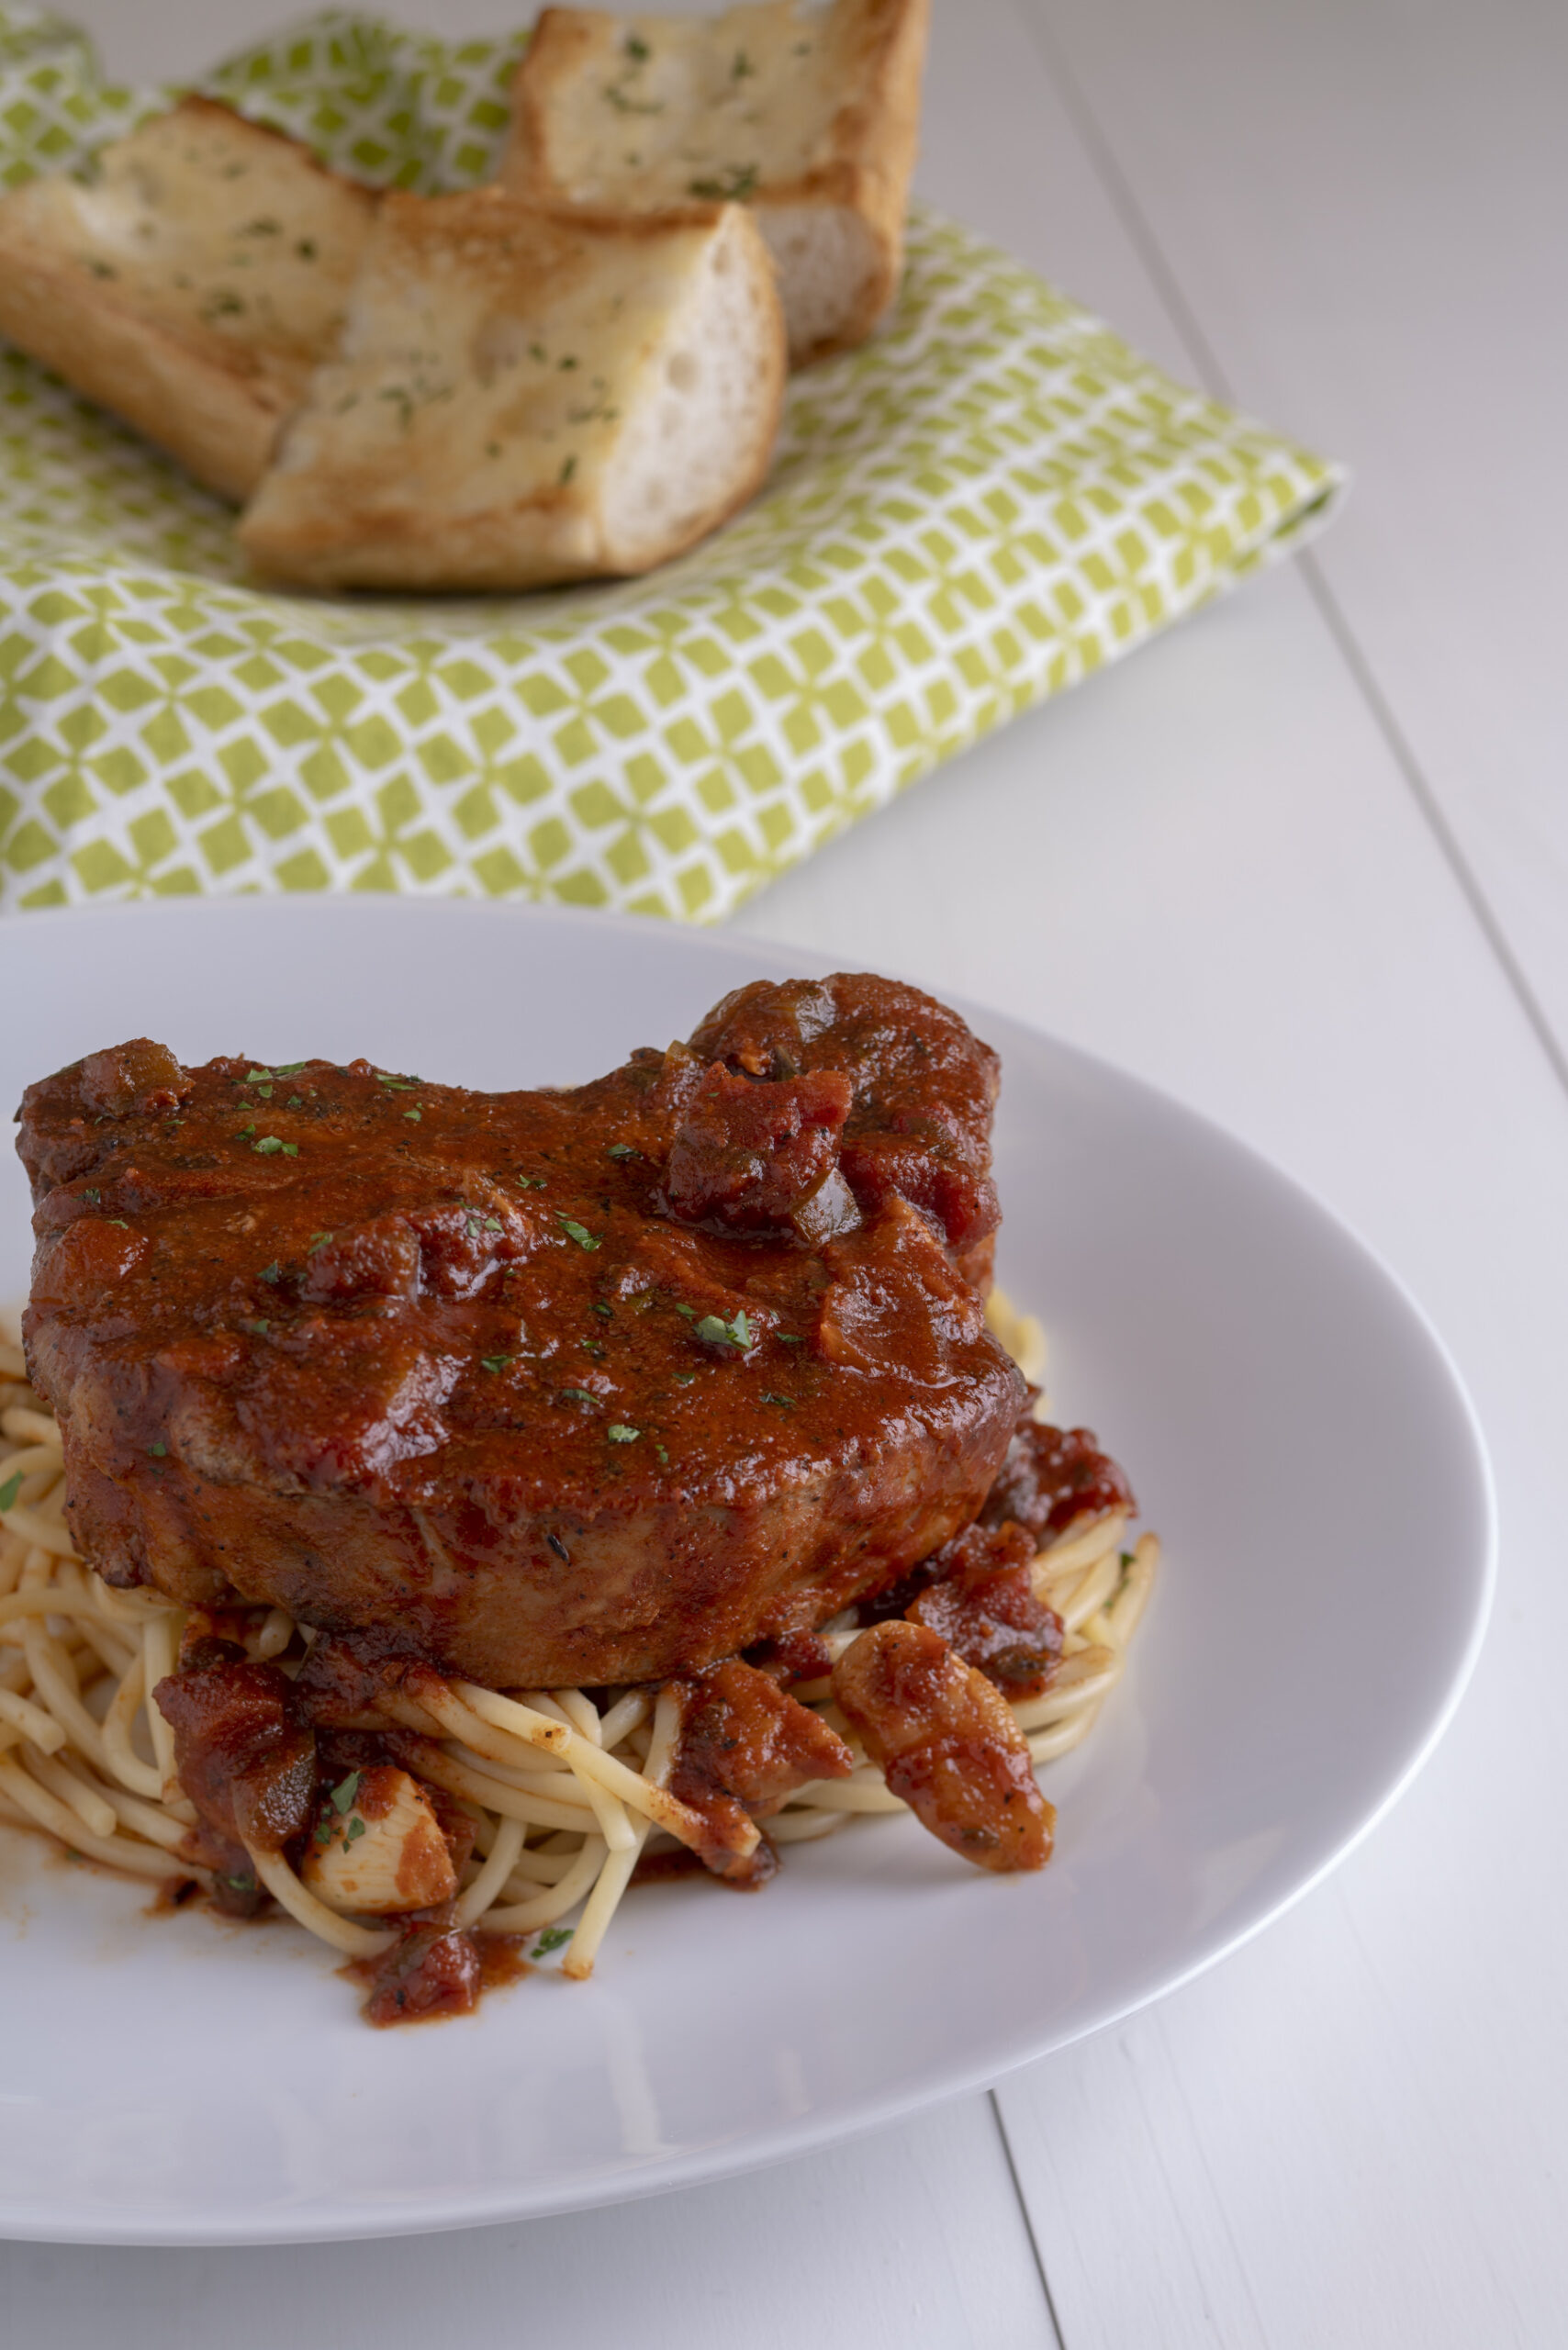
385,1853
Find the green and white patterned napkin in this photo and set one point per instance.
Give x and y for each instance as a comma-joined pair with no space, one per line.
990,499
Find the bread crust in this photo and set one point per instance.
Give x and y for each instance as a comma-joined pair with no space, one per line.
482,476
863,157
76,294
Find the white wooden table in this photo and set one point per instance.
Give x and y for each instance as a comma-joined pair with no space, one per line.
1304,863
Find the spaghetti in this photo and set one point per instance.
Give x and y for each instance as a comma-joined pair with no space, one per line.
566,1797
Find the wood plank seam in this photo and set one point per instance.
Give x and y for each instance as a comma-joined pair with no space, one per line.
1211,373
1028,2217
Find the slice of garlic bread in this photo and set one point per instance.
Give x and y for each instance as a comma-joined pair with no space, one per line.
809,114
191,285
520,398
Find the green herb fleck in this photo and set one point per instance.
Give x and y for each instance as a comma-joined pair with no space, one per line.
9,1490
271,1272
788,1401
413,1115
689,1312
354,1829
261,1328
119,1223
576,1232
742,66
159,1451
94,1195
686,1378
245,1131
664,1456
245,1884
791,1339
306,248
269,1145
737,1332
622,1150
529,1182
570,465
738,182
605,1313
496,1362
317,1242
636,49
577,1395
618,1433
344,1792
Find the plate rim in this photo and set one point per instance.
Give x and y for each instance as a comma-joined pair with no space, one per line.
791,2137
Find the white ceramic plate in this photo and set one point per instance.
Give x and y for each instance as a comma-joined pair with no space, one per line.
1293,1430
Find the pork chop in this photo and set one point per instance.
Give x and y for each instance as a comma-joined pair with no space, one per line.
583,1386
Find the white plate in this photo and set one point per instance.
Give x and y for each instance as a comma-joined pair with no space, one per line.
1294,1432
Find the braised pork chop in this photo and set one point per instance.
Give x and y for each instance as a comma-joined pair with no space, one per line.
558,1387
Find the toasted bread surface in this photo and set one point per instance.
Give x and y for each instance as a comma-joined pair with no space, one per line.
810,117
192,286
522,399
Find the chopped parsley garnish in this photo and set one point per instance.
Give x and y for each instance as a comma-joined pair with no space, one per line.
261,1328
622,1150
159,1451
245,1132
414,1115
576,1232
9,1490
246,1883
636,49
553,1938
270,1145
294,1101
685,1377
618,1433
570,466
591,1346
119,1223
742,66
737,1332
529,1182
577,1395
791,1339
344,1792
94,1195
664,1456
399,1084
317,1242
738,182
689,1312
271,1272
604,1312
355,1828
496,1362
788,1401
